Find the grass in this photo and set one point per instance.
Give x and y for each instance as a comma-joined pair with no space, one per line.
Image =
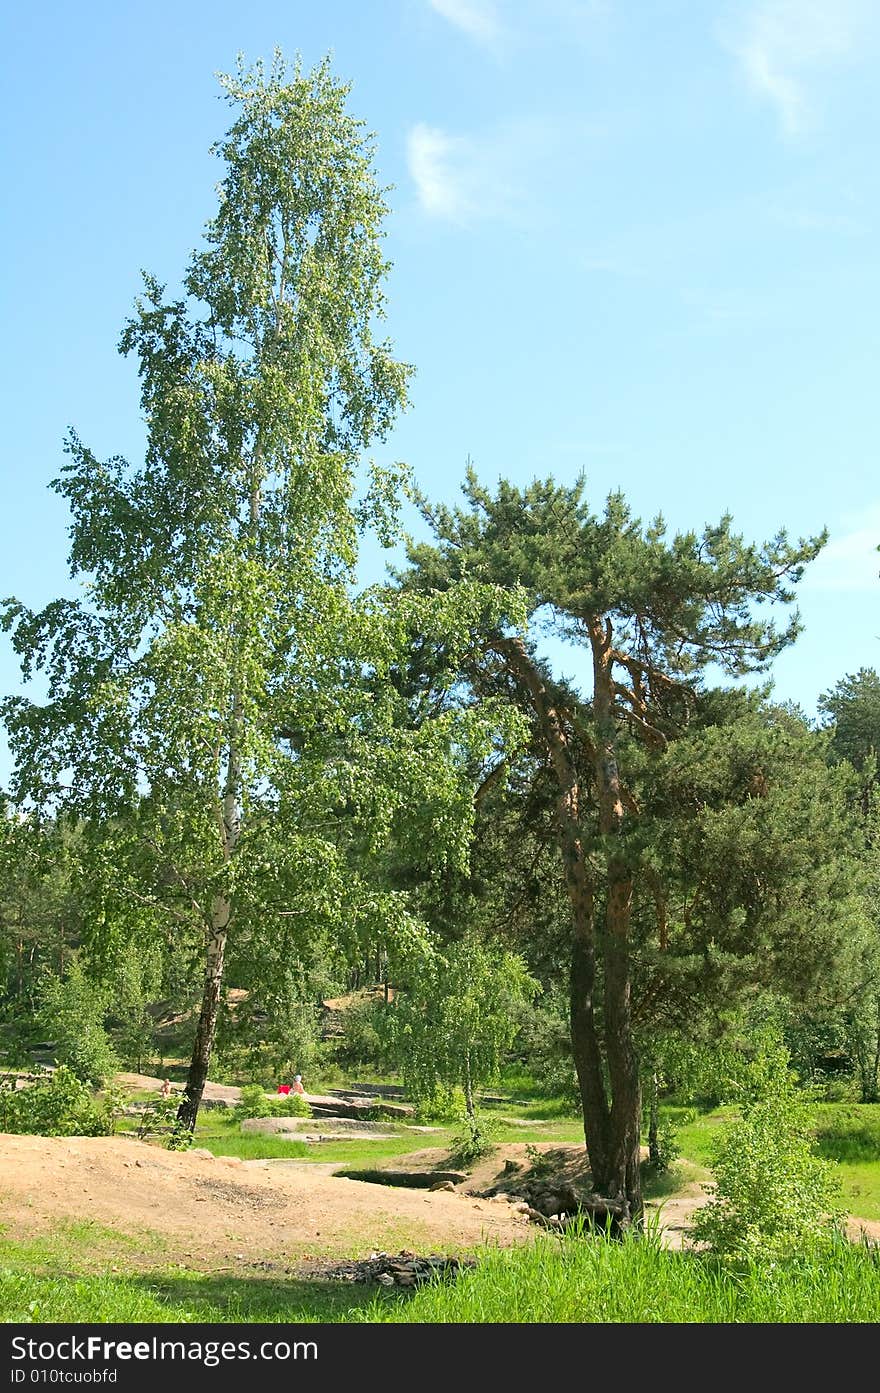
177,1297
77,1273
573,1279
849,1133
250,1146
69,1241
697,1135
219,1133
600,1281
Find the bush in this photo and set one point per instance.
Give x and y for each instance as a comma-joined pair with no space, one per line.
256,1102
158,1116
59,1105
443,1105
180,1138
773,1197
666,1147
72,1013
290,1105
365,1035
473,1143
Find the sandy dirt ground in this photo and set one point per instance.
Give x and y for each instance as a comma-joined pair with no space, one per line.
215,1214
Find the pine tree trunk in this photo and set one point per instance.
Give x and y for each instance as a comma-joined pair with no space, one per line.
585,1046
585,1043
621,1180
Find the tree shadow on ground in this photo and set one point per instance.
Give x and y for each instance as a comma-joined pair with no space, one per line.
263,1299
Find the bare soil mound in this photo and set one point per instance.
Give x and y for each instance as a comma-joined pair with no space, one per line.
220,1213
150,1207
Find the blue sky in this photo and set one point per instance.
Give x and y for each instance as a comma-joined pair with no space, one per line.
633,239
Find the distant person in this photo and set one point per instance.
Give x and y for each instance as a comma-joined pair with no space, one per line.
297,1084
165,1090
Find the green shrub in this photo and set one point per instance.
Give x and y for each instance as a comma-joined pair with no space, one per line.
666,1148
540,1164
774,1198
71,1012
59,1105
256,1102
157,1116
290,1105
443,1105
474,1142
840,1090
180,1138
365,1035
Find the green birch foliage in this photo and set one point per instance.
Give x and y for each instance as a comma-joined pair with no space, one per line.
450,1027
774,1198
208,703
72,1012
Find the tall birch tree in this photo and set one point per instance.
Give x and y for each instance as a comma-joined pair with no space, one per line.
204,695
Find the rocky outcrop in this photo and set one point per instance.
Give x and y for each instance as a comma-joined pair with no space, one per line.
328,1105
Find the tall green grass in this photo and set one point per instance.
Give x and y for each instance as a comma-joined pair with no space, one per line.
553,1281
597,1281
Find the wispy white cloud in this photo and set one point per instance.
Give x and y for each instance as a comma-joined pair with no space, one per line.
783,45
506,25
479,19
850,561
464,179
808,220
439,165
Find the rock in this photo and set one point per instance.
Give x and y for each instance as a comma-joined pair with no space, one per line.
323,1105
202,1151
